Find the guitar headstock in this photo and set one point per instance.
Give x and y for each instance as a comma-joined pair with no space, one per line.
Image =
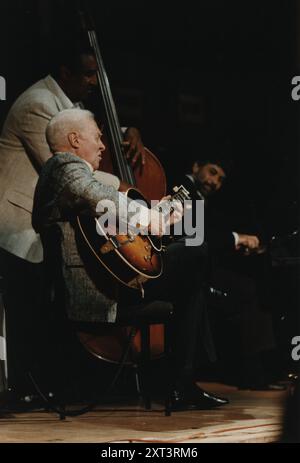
181,193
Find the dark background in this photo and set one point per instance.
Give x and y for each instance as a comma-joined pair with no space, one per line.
188,74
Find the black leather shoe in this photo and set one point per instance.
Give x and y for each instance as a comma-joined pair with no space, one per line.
195,398
214,399
195,393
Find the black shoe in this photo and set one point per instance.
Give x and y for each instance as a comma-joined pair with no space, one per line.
195,392
195,398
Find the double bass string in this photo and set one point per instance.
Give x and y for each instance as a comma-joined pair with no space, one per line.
113,122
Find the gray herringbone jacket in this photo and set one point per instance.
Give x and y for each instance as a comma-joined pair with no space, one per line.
66,188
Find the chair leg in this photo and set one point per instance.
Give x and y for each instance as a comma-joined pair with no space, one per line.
137,379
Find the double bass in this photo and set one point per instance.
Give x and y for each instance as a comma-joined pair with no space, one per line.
148,178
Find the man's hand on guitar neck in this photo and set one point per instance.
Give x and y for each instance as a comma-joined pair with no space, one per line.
160,221
176,210
156,220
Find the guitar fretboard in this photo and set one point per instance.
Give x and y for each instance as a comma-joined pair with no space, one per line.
181,194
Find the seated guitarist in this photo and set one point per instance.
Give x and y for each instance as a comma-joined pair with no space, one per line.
66,188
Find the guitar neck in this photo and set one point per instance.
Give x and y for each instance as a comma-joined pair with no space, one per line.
166,206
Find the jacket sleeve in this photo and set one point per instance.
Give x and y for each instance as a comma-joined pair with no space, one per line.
33,120
78,191
107,179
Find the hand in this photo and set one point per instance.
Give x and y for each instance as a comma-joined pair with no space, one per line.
160,221
248,243
136,151
157,224
176,210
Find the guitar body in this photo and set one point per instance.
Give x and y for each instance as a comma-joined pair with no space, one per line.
131,259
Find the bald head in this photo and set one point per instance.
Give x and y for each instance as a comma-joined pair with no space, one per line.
64,123
75,131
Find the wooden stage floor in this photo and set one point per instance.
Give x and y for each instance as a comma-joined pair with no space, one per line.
251,416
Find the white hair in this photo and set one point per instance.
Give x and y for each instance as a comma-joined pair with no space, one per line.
63,123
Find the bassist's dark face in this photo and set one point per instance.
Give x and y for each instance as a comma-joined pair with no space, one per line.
78,85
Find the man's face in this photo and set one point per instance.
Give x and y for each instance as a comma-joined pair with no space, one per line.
90,146
210,177
79,85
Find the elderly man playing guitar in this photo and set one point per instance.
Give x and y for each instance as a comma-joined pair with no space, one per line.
67,189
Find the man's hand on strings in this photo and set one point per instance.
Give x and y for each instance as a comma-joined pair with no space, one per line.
175,212
160,219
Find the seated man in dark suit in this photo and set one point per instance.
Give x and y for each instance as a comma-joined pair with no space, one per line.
251,326
66,188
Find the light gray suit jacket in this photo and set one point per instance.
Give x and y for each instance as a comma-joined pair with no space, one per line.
23,150
66,188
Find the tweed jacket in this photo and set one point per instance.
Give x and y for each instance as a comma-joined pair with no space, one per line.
66,188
